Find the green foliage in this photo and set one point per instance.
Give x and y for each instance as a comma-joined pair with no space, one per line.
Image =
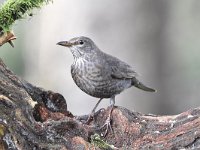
98,142
12,10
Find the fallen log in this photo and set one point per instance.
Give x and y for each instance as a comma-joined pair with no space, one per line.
34,118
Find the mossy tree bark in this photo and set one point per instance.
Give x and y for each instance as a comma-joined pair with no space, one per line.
13,10
33,118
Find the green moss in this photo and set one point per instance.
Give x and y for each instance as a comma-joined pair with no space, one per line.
12,10
2,129
98,142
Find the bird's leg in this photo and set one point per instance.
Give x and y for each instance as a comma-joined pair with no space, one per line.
107,124
91,115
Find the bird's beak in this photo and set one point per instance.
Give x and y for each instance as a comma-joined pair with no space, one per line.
65,43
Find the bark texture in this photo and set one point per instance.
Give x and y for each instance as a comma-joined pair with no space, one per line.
33,118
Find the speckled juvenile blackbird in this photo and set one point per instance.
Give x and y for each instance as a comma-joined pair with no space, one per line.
99,74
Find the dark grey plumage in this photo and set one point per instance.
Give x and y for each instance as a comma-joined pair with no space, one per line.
99,74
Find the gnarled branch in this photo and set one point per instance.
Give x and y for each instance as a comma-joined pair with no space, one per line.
33,118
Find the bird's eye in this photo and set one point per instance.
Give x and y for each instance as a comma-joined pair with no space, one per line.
81,42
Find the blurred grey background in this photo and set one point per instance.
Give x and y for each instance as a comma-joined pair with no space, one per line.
159,38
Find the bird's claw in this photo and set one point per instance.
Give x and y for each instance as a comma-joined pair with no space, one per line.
90,118
108,126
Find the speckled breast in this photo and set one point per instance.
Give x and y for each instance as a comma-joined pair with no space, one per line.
95,81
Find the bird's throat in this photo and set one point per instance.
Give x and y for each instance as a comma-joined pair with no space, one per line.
76,53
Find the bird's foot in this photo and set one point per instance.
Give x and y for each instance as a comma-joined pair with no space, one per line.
90,118
107,125
92,115
86,119
82,118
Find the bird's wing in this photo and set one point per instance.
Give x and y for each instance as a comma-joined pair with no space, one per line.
120,69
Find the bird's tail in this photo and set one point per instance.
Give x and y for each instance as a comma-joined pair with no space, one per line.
140,85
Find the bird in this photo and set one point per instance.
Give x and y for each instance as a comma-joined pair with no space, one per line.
99,74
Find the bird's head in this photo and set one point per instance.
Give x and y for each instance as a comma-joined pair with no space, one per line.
80,46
